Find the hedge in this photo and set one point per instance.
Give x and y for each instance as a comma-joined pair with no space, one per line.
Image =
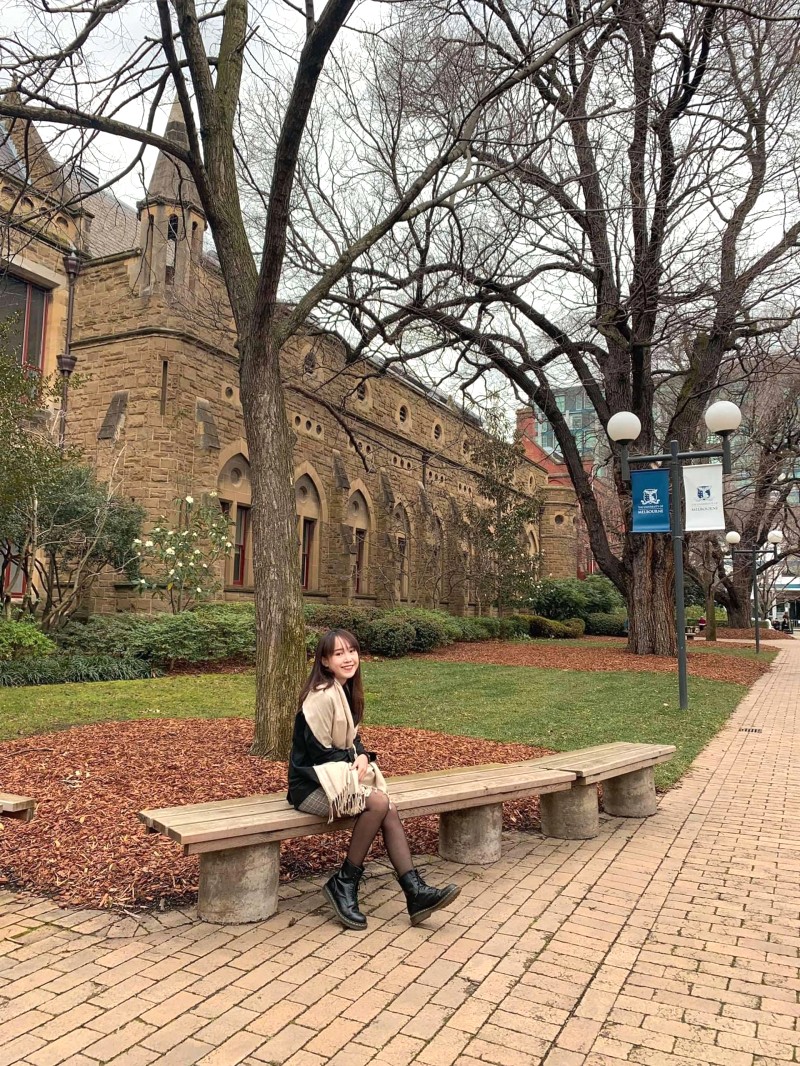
57,669
604,624
21,640
389,637
570,629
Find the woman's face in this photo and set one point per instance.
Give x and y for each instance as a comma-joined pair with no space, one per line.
342,662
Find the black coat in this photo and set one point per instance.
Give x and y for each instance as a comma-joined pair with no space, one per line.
307,753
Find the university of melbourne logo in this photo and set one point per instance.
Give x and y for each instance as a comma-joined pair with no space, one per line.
704,492
650,498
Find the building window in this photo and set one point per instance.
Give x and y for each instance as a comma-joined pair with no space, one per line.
358,519
402,414
22,311
240,544
437,431
359,576
172,248
402,569
307,544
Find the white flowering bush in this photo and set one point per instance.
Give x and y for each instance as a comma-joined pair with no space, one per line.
180,557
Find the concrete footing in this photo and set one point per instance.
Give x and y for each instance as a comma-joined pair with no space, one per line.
570,815
630,795
240,885
473,835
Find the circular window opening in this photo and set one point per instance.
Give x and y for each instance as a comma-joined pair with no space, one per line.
308,423
559,520
437,432
229,393
310,363
361,391
402,414
356,506
318,429
302,492
236,475
297,420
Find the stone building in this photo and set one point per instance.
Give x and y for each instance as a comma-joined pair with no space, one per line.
382,465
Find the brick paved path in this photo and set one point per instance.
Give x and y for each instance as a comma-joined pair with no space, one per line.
670,942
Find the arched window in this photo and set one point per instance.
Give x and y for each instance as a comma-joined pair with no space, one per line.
172,248
358,519
233,487
401,541
437,560
532,544
309,511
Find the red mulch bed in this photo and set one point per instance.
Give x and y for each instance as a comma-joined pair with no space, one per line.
87,847
750,634
557,656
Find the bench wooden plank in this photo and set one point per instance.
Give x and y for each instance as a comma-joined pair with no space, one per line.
22,807
411,800
602,762
276,802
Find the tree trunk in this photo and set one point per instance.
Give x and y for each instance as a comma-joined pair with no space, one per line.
651,595
280,640
711,614
740,608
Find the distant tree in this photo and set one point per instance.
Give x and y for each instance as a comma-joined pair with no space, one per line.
499,523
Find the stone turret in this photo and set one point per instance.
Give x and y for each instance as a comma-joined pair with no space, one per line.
171,220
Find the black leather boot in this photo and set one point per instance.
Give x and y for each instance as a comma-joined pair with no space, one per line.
342,893
423,900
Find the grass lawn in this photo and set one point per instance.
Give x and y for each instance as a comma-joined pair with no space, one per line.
560,709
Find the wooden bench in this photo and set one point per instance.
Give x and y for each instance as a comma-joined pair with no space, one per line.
21,807
629,791
238,840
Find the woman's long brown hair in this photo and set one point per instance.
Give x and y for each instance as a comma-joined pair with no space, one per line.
322,677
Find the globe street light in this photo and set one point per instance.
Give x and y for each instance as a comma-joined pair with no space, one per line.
722,418
774,538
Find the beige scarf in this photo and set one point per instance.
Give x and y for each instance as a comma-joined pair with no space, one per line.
327,713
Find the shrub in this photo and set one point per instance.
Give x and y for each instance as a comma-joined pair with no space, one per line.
694,613
335,616
21,640
312,640
58,669
490,626
560,600
602,596
211,633
432,628
575,628
570,629
389,637
513,626
473,629
605,624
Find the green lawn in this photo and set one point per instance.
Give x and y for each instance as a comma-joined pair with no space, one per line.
560,709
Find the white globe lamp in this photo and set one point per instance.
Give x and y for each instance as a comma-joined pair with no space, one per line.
732,537
723,417
624,427
774,536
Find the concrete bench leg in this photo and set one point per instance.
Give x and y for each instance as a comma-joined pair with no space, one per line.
631,795
473,835
239,885
570,815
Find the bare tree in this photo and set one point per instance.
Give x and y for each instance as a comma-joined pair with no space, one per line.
204,55
645,227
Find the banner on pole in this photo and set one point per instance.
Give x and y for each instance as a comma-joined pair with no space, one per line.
650,492
703,488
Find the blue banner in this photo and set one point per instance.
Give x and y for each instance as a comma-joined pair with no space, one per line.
650,493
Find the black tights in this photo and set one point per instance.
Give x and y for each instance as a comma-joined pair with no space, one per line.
380,814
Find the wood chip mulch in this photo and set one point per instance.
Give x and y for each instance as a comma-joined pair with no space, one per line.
87,847
557,656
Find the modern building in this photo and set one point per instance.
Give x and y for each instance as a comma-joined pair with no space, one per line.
382,464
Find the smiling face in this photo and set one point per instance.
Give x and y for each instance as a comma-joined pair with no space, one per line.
342,662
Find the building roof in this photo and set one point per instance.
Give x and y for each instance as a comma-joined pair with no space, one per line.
114,226
171,181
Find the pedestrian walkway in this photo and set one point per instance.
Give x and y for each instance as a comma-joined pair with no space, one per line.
669,942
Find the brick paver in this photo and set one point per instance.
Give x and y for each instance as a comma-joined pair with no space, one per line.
669,942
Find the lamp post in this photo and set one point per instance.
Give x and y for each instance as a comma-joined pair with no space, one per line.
774,537
66,360
722,418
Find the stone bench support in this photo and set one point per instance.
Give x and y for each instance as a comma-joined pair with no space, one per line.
472,836
240,884
631,795
571,815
